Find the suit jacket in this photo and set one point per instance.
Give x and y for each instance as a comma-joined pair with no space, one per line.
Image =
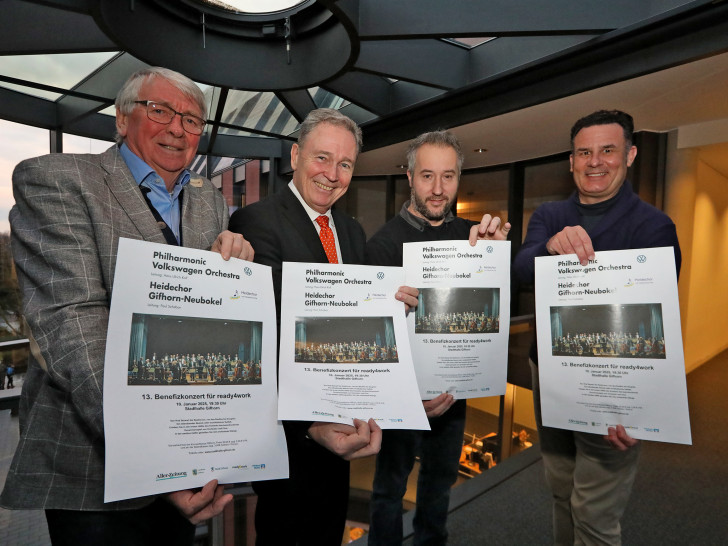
280,230
312,504
69,214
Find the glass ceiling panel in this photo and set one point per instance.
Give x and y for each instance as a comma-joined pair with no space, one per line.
253,6
354,111
31,91
357,113
470,43
326,99
258,110
210,166
212,97
62,70
238,132
109,111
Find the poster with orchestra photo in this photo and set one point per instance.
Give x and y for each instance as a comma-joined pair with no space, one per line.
459,331
344,349
190,386
610,345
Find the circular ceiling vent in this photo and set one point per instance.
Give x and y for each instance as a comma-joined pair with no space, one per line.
285,44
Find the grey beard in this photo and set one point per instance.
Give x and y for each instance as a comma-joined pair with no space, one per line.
421,207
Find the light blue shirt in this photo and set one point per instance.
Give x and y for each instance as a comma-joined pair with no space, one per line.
166,203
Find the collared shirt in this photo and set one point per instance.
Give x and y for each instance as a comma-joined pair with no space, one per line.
420,223
166,203
312,214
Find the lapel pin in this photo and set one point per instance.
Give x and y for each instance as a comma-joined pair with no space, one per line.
196,182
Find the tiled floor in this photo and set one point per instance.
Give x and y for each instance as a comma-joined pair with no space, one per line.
17,527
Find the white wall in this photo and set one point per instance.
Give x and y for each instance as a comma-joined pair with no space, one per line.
696,198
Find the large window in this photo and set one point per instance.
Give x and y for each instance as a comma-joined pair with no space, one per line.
483,192
543,182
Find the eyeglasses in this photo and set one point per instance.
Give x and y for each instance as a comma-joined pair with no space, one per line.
163,114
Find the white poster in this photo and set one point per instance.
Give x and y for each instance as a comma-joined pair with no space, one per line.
344,347
459,331
190,372
609,344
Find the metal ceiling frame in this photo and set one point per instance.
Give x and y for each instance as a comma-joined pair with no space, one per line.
398,66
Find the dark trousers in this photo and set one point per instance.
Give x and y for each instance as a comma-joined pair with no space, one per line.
158,523
309,508
439,451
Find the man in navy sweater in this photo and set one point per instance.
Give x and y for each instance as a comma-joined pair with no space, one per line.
591,476
434,163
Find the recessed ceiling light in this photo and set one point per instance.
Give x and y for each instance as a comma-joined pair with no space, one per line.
480,150
401,166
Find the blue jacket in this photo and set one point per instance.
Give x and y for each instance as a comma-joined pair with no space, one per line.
629,223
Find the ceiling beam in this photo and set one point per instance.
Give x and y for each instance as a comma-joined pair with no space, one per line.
428,62
299,102
507,54
27,29
71,109
407,19
49,88
98,126
103,82
242,146
406,94
107,80
368,91
81,6
26,109
611,58
216,118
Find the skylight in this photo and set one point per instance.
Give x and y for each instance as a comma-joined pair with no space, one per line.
254,6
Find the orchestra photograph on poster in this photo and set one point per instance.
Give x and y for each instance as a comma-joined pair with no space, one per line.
459,310
345,340
175,350
632,330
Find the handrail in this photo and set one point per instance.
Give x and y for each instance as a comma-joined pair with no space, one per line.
14,344
520,319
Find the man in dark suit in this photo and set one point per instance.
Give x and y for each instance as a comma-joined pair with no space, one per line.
69,214
311,505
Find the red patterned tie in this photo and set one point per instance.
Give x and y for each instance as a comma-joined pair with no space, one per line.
327,239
